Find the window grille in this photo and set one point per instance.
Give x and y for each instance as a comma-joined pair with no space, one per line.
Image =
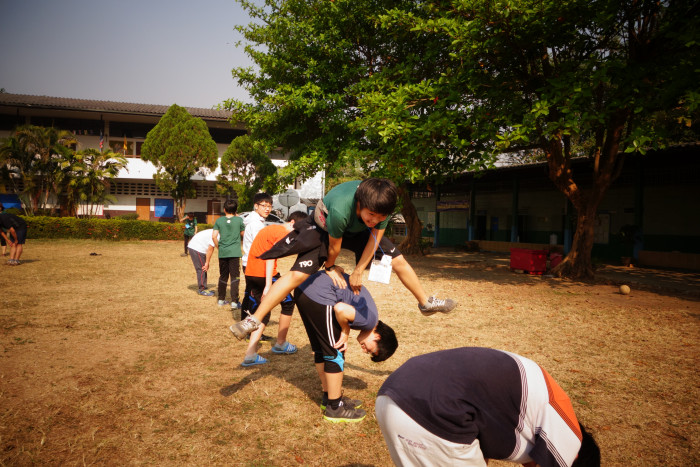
136,189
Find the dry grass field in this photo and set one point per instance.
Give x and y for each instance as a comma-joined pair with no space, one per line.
115,360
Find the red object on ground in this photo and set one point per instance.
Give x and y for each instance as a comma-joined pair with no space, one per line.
555,259
531,261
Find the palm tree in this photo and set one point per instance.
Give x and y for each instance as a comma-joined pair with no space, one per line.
85,178
16,164
35,153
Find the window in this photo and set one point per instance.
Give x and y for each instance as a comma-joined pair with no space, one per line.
206,191
163,207
225,135
135,189
78,126
9,122
130,129
117,145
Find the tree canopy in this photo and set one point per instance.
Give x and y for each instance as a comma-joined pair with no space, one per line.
32,155
425,90
246,169
180,146
42,162
84,178
567,78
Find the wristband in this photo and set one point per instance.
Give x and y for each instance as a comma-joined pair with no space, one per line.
329,268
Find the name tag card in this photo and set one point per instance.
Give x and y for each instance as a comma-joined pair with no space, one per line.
380,271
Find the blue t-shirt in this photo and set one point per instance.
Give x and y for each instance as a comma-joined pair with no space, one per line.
320,288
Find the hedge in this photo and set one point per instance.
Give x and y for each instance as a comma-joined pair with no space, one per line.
103,229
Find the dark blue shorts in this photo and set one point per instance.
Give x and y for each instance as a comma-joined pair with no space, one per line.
21,235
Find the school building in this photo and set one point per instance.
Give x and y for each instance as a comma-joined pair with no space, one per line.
655,201
123,127
656,198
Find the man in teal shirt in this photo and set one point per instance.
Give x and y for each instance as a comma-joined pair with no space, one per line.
353,215
227,234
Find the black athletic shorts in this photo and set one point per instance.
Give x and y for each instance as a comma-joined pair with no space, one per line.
323,331
257,285
312,260
21,235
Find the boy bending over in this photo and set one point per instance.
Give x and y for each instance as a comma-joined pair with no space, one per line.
353,215
329,313
467,405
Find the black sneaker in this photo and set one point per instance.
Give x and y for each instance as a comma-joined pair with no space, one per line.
347,402
435,305
344,414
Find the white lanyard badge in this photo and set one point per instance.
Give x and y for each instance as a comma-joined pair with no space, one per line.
380,270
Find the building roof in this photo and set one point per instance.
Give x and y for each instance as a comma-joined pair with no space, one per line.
89,105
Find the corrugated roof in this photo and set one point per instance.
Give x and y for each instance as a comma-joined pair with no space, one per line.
65,103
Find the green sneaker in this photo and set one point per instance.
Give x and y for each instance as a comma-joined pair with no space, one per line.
347,402
344,414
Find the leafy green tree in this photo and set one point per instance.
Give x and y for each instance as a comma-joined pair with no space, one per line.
246,169
16,165
316,61
85,177
424,90
180,147
32,154
567,78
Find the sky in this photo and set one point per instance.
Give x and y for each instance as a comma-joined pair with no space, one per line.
140,51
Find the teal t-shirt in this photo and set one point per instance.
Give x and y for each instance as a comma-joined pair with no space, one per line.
230,229
342,211
190,225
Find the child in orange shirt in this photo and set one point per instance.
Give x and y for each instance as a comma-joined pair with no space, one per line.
261,274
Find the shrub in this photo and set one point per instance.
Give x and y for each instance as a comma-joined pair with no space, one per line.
103,229
132,216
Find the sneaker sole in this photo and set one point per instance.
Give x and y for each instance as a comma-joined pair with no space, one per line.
432,312
248,365
240,335
343,420
323,407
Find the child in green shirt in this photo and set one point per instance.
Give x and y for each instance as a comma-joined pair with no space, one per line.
227,234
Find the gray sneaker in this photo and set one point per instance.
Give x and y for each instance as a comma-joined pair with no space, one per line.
435,305
344,414
347,402
245,327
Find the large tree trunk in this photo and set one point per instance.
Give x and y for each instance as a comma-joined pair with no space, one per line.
411,244
607,165
180,206
578,263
